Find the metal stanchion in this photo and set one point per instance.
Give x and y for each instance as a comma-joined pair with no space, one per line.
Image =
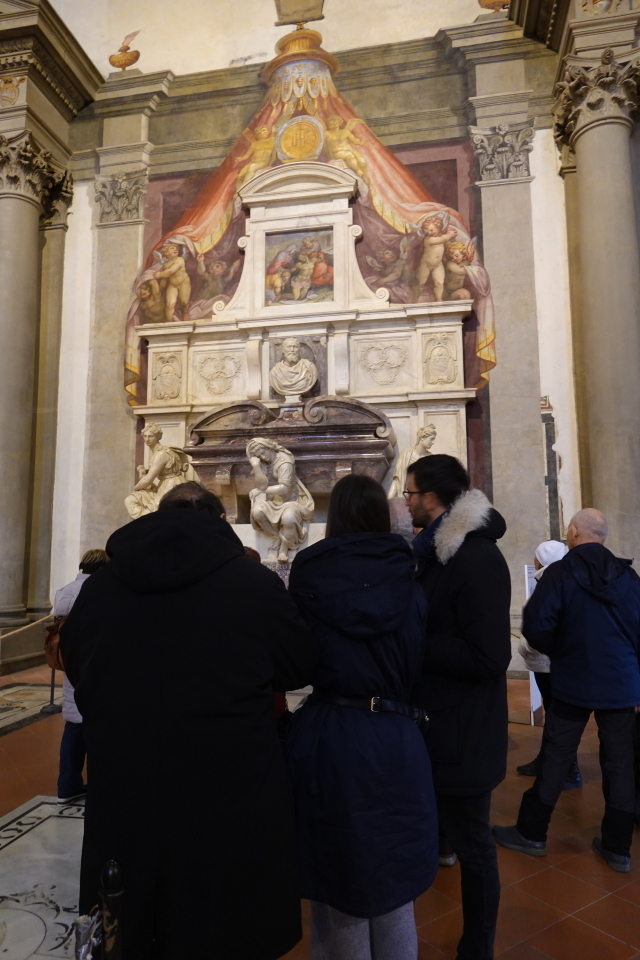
52,707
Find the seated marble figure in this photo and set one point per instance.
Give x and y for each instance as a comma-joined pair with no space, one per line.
280,502
168,467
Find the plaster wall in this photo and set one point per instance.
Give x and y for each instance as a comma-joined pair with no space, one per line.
72,398
551,262
211,34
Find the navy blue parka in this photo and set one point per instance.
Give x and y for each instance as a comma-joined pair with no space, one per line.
366,809
585,614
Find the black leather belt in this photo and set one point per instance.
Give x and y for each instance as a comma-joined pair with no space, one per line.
373,704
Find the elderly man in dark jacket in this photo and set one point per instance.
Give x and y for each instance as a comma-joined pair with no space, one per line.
175,648
585,614
463,685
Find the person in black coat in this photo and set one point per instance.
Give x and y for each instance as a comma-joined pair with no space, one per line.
585,615
366,810
463,684
175,648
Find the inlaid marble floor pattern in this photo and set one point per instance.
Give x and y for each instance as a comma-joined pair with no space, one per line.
568,906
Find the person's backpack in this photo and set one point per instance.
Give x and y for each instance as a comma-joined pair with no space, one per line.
52,643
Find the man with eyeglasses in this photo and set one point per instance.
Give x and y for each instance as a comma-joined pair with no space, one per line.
463,685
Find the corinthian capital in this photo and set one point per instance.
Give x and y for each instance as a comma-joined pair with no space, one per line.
26,170
503,152
587,96
121,197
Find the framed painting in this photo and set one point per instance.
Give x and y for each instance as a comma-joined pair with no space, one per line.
299,267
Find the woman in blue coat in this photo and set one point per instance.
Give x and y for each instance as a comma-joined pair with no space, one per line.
367,821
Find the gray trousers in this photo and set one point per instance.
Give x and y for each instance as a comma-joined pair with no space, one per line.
337,936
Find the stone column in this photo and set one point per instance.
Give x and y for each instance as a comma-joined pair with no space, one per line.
593,114
26,179
53,228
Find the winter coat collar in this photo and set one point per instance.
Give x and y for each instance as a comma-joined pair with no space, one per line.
470,512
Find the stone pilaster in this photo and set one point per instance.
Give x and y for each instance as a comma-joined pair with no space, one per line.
492,50
124,104
53,229
593,113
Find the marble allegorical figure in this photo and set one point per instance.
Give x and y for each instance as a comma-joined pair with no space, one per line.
294,375
168,467
280,502
426,439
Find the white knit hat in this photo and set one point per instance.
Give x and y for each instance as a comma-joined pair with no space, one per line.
549,551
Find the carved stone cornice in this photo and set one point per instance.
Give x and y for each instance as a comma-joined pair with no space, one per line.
25,53
503,151
121,197
591,95
28,171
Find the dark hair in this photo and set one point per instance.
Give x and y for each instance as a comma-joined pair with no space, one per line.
252,554
192,496
92,560
440,474
358,504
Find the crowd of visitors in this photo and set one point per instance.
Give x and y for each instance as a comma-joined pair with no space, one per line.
179,650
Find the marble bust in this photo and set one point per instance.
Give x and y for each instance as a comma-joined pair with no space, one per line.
294,374
167,468
280,502
426,439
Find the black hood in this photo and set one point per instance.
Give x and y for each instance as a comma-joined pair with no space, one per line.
171,550
598,571
494,527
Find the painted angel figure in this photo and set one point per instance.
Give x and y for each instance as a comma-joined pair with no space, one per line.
392,272
340,144
175,282
261,153
435,232
457,257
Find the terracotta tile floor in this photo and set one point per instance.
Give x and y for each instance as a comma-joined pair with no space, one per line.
567,906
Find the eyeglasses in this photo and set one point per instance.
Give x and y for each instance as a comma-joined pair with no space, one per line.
407,494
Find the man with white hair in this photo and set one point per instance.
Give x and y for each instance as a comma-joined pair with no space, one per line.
585,614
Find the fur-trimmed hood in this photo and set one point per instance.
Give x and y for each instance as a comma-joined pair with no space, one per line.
473,514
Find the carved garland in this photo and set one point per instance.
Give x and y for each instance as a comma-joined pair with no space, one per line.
608,91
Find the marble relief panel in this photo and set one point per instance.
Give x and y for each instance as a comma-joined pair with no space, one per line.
441,360
217,374
383,366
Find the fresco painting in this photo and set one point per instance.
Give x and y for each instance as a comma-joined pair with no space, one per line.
299,267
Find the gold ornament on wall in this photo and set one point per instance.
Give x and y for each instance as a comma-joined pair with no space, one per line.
125,57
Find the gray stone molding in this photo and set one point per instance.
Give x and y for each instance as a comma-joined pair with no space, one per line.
121,197
503,151
23,53
589,95
28,171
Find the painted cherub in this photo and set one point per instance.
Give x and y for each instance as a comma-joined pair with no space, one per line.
215,276
174,280
340,140
301,276
152,305
261,153
458,256
436,233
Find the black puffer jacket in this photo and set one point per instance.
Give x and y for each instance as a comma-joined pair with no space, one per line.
463,686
